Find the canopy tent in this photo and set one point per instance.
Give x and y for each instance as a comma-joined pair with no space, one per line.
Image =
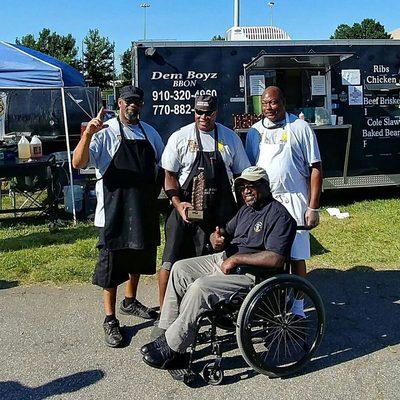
24,68
21,67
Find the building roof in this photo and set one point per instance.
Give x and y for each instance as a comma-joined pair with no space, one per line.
395,34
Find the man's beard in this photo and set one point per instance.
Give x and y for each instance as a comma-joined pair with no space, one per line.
131,116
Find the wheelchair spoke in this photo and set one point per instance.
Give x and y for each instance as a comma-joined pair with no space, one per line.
269,308
296,342
265,318
276,336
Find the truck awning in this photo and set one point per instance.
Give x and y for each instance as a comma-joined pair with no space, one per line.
290,61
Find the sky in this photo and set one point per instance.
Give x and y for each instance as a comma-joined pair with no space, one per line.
122,21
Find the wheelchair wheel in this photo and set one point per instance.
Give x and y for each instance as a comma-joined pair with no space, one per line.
212,375
273,340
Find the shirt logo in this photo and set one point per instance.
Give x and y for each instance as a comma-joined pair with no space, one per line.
192,146
258,226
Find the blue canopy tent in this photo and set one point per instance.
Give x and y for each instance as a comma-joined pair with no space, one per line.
24,68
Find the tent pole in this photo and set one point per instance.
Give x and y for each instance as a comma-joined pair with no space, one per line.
68,154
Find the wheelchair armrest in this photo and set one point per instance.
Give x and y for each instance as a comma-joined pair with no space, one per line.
256,271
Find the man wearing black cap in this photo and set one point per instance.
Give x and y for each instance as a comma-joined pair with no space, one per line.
200,161
125,153
260,234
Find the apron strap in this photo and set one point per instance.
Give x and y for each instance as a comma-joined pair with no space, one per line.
123,137
282,125
121,130
199,144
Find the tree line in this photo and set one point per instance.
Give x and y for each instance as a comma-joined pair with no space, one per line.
97,59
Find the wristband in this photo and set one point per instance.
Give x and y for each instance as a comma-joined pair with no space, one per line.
313,209
171,193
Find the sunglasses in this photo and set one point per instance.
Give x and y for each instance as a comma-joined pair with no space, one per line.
129,101
206,113
249,186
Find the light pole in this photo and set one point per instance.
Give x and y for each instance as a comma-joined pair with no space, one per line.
271,5
145,6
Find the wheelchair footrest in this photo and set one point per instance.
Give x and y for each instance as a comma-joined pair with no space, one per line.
183,375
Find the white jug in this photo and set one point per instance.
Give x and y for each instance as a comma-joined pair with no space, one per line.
24,149
36,147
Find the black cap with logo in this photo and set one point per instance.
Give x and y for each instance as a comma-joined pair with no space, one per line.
205,103
131,92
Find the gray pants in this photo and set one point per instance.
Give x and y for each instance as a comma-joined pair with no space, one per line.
194,286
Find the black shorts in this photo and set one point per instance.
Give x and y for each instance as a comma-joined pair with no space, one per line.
114,266
182,240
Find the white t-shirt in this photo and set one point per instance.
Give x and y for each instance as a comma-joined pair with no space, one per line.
304,145
103,147
180,151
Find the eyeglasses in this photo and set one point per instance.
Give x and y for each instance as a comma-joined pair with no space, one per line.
130,101
249,186
206,113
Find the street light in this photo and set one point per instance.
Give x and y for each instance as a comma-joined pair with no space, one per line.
145,6
271,5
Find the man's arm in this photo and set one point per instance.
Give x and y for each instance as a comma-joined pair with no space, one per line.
252,148
172,189
312,213
263,259
81,155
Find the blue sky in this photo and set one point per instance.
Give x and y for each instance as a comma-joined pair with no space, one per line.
122,20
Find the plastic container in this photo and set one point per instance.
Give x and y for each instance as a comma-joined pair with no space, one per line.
36,147
24,149
322,116
257,107
79,194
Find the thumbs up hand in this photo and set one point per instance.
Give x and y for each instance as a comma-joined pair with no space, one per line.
217,239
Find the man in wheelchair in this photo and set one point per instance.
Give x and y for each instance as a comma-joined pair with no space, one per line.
260,235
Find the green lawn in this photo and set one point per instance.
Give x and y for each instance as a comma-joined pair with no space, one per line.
369,238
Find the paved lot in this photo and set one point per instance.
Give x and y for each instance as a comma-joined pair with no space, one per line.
52,347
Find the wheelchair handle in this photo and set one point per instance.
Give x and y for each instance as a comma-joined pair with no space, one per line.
303,228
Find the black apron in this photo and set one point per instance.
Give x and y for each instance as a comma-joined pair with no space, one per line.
130,196
219,205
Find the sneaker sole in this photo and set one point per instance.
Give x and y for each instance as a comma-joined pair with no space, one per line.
135,315
113,345
170,365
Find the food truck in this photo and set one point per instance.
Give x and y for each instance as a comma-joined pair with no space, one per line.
356,83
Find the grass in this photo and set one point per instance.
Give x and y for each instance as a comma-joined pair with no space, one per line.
369,238
29,253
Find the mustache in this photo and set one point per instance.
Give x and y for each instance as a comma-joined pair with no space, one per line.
131,115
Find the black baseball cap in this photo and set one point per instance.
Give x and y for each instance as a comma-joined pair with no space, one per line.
131,92
205,103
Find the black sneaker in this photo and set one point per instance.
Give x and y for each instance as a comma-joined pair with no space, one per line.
138,309
112,332
155,344
160,355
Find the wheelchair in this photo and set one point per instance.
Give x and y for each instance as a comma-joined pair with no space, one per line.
271,338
